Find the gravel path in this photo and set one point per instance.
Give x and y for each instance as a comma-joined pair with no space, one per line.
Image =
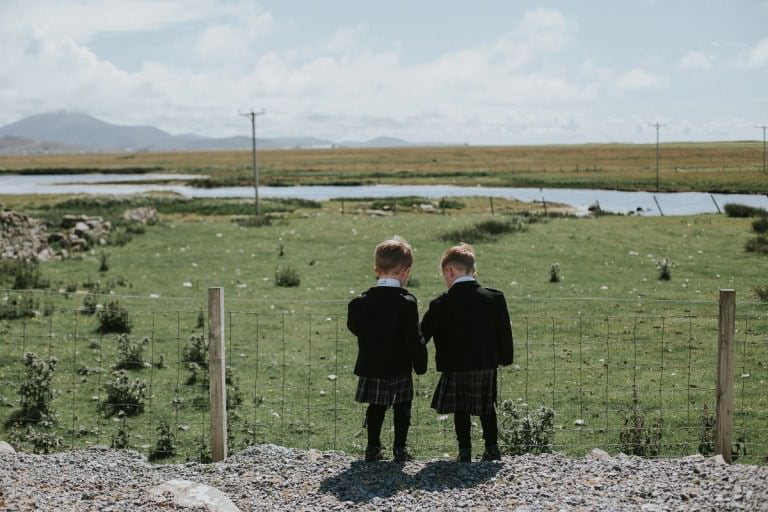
269,477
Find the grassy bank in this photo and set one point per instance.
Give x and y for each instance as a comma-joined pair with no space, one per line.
608,328
705,167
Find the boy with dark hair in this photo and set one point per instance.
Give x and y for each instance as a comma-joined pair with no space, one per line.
473,336
385,320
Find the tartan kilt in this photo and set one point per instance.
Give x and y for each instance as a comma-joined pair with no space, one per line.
384,391
472,391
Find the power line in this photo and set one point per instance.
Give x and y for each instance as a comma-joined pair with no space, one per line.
658,155
253,115
763,127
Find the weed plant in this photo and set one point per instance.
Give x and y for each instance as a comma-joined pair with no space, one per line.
114,318
664,266
14,306
744,211
485,231
121,438
522,431
760,225
22,275
131,353
758,244
165,447
637,438
287,277
554,273
124,395
36,392
707,432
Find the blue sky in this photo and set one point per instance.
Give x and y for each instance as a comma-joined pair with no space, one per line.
481,72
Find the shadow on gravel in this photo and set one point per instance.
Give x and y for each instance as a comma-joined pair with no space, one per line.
440,475
364,481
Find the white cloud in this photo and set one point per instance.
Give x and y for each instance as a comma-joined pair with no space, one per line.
695,60
233,39
545,29
638,79
541,77
81,20
757,57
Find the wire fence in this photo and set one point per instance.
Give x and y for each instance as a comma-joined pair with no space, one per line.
290,382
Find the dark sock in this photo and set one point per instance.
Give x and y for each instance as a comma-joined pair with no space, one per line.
402,419
374,419
490,429
462,424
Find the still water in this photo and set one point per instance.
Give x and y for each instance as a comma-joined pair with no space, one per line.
644,203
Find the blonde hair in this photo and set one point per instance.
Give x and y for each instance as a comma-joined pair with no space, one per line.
462,256
392,254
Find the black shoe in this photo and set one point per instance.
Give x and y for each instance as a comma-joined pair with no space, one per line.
465,455
491,453
373,453
401,454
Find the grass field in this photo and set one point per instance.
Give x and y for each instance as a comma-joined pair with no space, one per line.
706,167
582,344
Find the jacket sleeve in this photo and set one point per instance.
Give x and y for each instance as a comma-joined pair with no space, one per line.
428,324
504,344
353,317
412,335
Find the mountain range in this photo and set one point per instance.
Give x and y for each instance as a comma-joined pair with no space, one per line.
69,132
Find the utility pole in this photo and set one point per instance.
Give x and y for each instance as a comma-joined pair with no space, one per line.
763,127
253,115
657,125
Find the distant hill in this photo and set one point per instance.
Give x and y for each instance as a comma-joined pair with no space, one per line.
68,132
11,145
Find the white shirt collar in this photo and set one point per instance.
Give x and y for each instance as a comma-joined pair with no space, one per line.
388,281
463,279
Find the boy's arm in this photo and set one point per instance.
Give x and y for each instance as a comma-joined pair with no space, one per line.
352,317
427,324
416,344
504,344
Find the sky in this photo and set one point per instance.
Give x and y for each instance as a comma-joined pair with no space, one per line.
485,72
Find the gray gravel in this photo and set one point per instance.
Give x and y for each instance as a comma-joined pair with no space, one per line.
269,477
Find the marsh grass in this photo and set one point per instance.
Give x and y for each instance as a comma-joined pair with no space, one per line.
580,346
704,167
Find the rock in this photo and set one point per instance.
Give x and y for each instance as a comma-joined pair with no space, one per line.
26,238
599,454
379,213
82,229
717,460
6,448
189,494
144,215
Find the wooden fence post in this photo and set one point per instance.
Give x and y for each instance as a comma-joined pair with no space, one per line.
216,371
725,364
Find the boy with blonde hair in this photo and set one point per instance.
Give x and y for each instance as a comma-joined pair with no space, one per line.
385,320
473,336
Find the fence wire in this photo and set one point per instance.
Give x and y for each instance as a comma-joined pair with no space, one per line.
290,381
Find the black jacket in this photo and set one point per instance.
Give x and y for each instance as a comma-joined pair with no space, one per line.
385,320
471,328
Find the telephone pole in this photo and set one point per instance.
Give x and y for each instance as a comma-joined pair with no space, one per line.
253,115
763,127
657,125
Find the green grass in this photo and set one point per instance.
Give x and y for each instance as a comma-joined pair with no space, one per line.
581,344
